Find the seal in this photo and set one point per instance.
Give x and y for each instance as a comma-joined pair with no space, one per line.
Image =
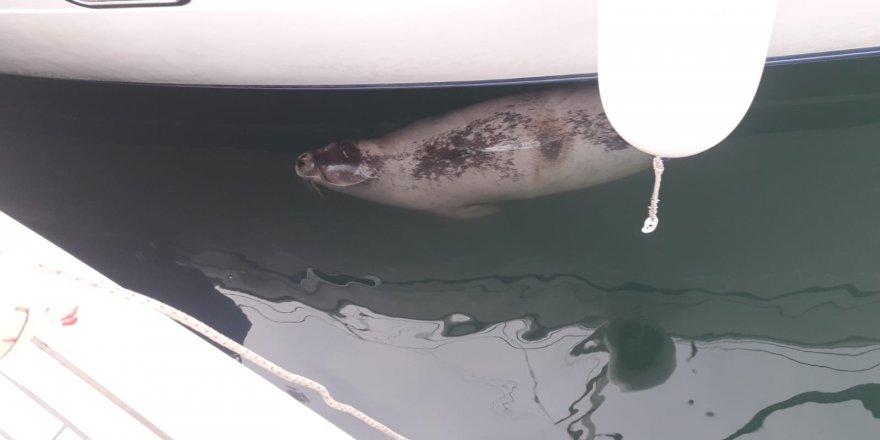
460,163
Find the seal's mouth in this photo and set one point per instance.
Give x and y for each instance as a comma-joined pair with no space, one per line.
337,164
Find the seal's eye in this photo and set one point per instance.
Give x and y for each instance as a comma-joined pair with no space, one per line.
342,153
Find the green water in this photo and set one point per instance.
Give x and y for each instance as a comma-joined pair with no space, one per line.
752,312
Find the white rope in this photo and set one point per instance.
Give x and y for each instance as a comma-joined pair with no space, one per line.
236,348
652,220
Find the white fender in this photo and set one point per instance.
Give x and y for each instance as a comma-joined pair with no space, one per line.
677,76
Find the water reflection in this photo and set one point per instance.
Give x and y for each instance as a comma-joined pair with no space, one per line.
639,370
821,315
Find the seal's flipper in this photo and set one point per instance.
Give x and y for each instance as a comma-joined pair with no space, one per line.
469,211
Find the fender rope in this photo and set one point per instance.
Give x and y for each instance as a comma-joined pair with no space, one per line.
652,220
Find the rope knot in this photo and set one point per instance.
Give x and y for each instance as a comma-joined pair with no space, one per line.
652,220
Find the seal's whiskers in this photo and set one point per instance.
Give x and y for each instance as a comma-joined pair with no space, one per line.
317,189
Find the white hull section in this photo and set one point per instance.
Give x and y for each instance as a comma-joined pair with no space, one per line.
353,42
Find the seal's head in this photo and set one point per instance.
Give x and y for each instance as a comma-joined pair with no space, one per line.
339,164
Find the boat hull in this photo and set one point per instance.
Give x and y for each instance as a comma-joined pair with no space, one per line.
353,43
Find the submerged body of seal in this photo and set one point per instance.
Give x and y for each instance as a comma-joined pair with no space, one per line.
513,147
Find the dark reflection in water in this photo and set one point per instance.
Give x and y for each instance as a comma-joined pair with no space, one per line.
752,312
867,394
570,374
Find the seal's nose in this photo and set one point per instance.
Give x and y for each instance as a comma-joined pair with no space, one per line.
305,165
